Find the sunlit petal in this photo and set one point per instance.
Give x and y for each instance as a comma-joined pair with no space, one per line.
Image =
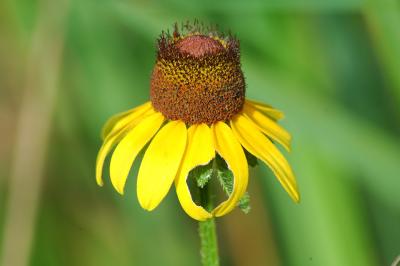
267,109
160,164
199,151
108,144
112,139
260,146
232,152
268,126
129,147
120,120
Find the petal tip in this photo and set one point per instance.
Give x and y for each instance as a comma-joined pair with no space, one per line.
203,218
147,206
296,198
117,186
145,202
120,191
99,179
289,147
218,213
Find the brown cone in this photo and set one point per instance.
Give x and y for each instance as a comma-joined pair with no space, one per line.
197,79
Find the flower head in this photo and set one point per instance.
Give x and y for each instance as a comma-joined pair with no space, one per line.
197,109
197,78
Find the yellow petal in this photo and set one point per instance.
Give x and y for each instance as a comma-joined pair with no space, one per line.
129,147
261,147
160,164
108,144
199,151
230,150
268,126
120,120
267,109
112,139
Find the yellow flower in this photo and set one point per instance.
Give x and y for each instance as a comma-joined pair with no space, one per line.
197,108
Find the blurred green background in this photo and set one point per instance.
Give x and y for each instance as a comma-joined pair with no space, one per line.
332,66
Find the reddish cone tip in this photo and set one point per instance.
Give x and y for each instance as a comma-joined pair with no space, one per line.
197,77
198,45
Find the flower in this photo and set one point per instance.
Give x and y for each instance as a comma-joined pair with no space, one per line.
197,109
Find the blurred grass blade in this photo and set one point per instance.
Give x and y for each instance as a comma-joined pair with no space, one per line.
327,227
34,124
383,20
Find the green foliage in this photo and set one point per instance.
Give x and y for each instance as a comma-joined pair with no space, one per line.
225,178
217,168
202,174
224,175
244,203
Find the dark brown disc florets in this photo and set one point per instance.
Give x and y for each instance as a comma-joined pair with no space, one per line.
197,78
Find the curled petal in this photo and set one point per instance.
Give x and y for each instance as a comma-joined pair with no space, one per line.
108,144
199,151
231,151
160,164
267,109
268,126
112,138
120,120
260,146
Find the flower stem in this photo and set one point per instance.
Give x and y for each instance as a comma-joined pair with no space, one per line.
207,232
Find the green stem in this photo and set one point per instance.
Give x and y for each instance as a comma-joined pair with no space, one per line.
207,232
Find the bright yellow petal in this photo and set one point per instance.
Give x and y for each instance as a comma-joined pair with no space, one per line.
199,151
230,150
129,147
268,126
112,139
267,109
260,146
108,144
120,120
160,164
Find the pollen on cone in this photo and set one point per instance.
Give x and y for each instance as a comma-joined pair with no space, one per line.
198,79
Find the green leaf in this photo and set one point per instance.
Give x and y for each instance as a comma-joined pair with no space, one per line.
202,174
219,169
244,203
225,178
